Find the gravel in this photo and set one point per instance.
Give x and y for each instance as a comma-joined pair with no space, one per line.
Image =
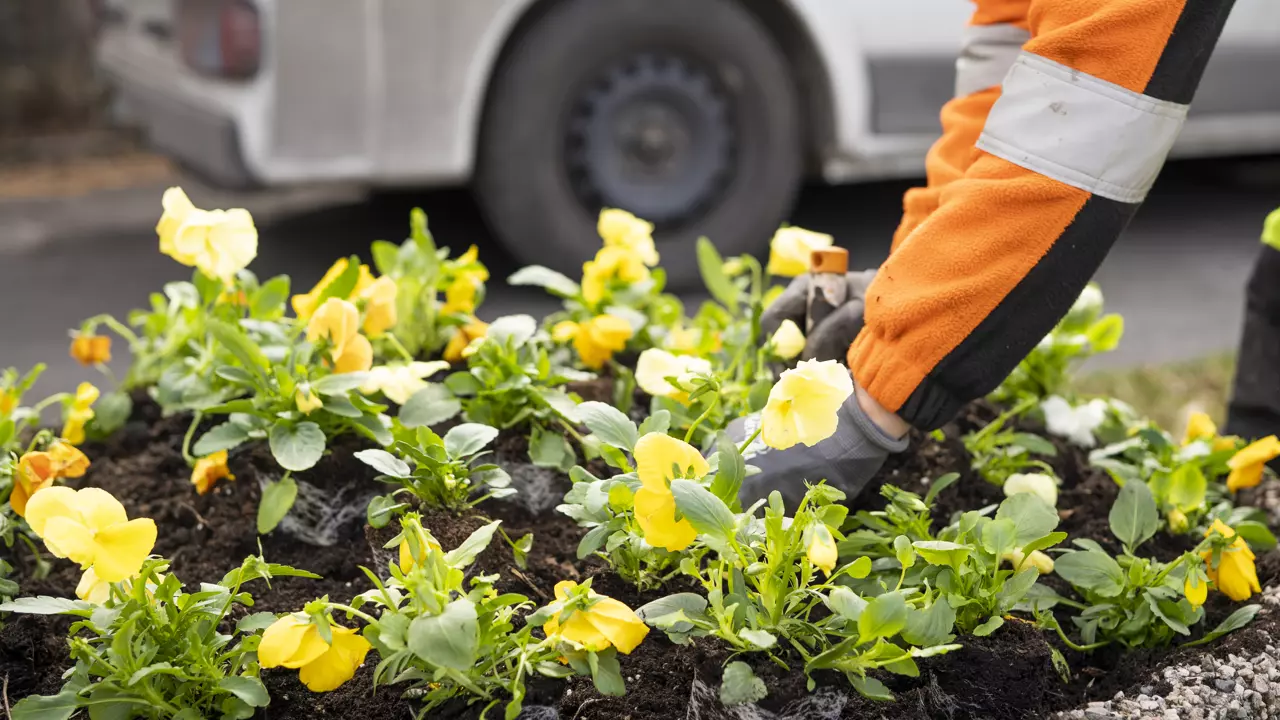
1231,688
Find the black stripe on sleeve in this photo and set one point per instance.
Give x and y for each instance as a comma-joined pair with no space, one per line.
988,354
1185,55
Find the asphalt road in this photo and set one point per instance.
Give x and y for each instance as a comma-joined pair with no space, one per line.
1177,274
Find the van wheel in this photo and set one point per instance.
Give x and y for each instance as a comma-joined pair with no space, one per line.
683,112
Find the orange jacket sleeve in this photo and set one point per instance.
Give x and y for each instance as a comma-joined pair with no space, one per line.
1083,121
996,28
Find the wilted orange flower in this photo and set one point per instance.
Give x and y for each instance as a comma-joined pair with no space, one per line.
91,349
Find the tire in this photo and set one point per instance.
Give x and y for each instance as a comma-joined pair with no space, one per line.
728,156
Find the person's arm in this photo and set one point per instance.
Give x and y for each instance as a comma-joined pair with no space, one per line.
1083,123
992,41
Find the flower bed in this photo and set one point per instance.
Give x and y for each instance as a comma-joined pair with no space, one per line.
908,593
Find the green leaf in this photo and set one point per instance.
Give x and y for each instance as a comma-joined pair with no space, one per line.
606,673
296,447
762,639
343,285
1014,588
468,439
1092,570
999,536
223,436
111,412
1041,543
740,685
1134,516
691,604
884,616
942,552
552,281
550,450
903,552
1187,487
236,342
718,284
476,542
1032,516
870,688
431,405
235,374
609,424
385,463
386,256
512,330
938,486
448,640
707,513
731,469
463,384
249,689
1035,444
340,383
373,427
1256,534
593,540
658,422
846,603
45,707
46,605
931,626
378,514
1104,335
277,500
255,622
268,302
1236,620
992,624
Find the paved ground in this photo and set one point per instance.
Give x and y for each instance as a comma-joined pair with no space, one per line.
1177,274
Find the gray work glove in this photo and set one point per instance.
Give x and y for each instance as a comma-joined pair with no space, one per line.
831,338
847,460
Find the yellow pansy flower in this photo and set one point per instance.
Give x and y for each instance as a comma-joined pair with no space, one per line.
305,305
339,321
655,366
1038,484
1201,427
79,413
822,550
38,470
220,243
610,264
1178,521
8,401
92,588
306,400
91,349
90,528
803,403
462,338
380,306
294,642
1040,561
791,250
209,470
1235,576
425,541
599,338
1247,464
564,331
606,623
619,228
787,342
1195,589
659,457
399,382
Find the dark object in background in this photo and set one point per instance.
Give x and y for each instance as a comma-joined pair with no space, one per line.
684,113
1254,410
47,78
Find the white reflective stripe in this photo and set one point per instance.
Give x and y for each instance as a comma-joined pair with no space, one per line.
988,53
1079,130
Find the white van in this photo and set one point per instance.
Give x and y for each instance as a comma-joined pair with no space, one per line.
702,116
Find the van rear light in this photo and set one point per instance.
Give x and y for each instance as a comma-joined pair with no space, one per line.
221,38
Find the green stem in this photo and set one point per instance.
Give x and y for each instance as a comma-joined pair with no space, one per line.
743,447
348,609
715,401
120,329
186,440
1078,648
395,343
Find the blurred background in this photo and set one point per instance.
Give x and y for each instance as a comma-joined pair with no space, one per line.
512,122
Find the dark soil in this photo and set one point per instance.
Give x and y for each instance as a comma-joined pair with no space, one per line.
1009,675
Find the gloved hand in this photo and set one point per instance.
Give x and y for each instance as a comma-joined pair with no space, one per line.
830,339
847,460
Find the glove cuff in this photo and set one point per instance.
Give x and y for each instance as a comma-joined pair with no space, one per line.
852,411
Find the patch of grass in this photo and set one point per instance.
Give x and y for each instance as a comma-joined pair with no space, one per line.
1167,392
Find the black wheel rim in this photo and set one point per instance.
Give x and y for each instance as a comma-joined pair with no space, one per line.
654,134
